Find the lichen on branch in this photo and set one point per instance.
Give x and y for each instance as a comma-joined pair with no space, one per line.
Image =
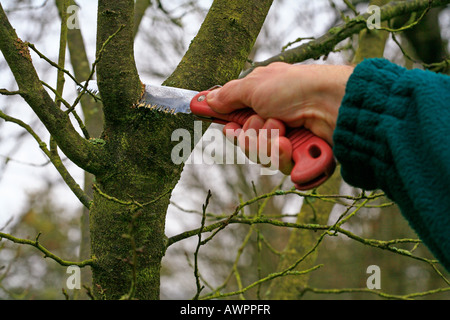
16,54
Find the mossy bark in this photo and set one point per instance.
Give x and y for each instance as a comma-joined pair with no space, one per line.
127,218
219,51
124,223
117,76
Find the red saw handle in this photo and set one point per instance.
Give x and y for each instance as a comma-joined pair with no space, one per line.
313,157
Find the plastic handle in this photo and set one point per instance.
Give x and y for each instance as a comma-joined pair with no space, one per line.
313,157
200,108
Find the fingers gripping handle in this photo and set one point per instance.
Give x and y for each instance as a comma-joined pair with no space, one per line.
313,157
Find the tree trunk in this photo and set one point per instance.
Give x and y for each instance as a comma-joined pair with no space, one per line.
127,218
127,230
93,115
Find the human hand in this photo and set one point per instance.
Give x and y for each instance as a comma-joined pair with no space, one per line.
283,94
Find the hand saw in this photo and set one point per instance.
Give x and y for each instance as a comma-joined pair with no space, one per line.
313,157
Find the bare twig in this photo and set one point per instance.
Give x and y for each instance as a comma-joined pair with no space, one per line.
9,93
42,56
199,243
46,252
71,183
84,87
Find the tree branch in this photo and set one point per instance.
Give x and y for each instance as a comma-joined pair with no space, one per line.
219,51
17,55
9,93
45,251
199,243
62,53
326,43
118,80
92,108
409,296
55,159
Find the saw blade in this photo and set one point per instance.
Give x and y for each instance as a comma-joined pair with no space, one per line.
167,99
159,98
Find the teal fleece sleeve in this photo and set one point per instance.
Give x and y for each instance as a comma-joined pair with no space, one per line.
393,134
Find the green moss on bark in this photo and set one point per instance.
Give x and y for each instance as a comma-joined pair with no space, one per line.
117,75
219,51
138,144
143,171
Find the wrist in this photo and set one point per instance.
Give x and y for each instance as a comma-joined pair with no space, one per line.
327,92
332,88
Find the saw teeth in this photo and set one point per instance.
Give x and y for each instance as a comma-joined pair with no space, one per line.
140,105
155,107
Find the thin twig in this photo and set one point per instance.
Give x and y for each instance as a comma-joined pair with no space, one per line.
97,59
56,161
130,202
375,292
199,243
9,93
42,56
414,23
270,277
46,252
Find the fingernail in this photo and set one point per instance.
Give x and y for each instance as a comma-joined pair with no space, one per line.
212,94
254,122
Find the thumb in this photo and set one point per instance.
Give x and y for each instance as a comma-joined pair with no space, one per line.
228,98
